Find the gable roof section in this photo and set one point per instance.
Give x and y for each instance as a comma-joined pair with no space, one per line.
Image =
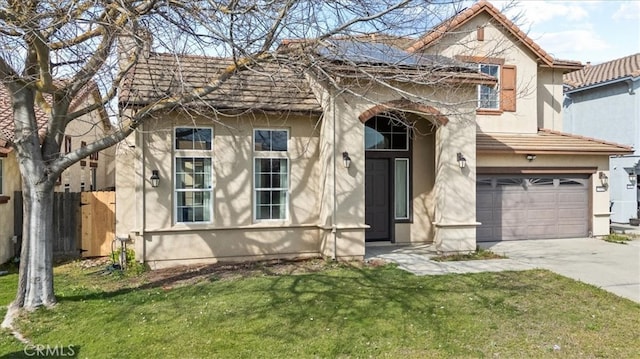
618,69
7,125
484,6
268,86
547,142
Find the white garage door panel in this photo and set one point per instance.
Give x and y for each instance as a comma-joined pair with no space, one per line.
526,207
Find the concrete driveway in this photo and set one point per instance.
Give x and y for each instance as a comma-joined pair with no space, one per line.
612,267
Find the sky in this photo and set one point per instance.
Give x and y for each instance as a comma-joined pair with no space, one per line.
587,31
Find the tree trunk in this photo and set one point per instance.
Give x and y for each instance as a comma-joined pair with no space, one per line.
35,282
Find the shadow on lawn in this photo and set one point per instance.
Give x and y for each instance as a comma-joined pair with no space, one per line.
344,302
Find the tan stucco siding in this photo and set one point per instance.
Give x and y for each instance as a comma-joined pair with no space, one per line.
431,206
193,246
233,232
550,99
500,45
599,201
10,184
421,228
88,128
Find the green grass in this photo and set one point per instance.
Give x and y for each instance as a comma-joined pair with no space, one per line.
617,238
339,311
478,254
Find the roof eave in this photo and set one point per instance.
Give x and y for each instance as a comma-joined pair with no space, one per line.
600,84
552,151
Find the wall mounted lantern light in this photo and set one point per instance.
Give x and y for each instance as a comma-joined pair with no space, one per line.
531,157
346,159
462,162
632,177
604,179
155,178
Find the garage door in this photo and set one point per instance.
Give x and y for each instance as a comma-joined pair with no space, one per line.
526,207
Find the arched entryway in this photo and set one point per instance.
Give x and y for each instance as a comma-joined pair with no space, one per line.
389,169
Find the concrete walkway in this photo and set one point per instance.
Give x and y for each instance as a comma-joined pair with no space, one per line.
612,267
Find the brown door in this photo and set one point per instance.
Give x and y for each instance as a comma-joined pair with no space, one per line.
377,209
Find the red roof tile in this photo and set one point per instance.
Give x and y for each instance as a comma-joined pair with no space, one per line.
6,118
628,66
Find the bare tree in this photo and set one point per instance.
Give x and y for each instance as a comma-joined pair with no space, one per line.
51,50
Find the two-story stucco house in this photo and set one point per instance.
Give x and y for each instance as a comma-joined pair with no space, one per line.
451,140
603,101
90,174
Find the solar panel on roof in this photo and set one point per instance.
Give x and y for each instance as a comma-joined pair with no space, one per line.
383,54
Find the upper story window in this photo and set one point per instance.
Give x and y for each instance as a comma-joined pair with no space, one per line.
386,132
193,175
489,96
188,138
498,98
271,174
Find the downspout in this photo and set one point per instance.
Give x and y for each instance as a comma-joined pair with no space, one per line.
334,229
144,193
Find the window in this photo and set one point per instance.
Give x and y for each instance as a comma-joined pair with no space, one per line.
193,171
271,174
488,96
67,144
386,132
93,176
401,181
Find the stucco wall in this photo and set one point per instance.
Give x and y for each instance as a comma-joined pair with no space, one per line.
434,160
88,128
499,44
550,99
10,184
233,233
611,113
599,212
607,112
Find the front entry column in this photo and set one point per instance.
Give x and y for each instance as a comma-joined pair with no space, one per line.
455,215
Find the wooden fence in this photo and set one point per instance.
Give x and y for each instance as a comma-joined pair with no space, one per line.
83,223
98,223
66,223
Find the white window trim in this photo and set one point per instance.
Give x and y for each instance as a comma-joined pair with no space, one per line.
497,88
270,155
407,200
192,153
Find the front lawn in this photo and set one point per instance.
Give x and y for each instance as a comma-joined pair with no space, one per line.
333,311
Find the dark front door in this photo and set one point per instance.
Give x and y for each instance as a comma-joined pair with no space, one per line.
377,207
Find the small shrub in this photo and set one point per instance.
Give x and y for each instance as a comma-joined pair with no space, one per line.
133,267
617,238
478,254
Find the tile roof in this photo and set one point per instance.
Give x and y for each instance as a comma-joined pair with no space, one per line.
6,118
546,142
269,86
484,6
628,66
7,125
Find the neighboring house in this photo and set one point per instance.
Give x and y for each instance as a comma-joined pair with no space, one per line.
90,174
603,101
281,163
